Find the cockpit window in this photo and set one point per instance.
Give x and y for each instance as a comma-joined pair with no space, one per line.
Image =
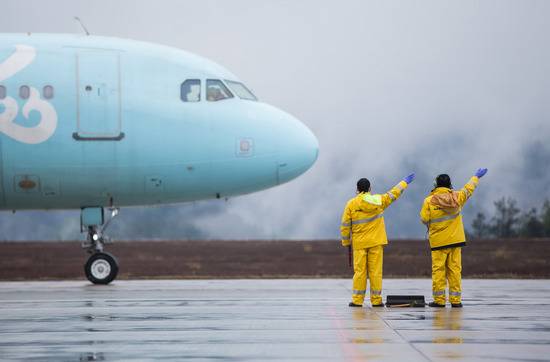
191,90
241,90
216,90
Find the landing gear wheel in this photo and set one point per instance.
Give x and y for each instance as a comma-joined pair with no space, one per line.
101,268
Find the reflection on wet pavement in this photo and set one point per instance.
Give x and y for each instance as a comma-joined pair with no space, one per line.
274,320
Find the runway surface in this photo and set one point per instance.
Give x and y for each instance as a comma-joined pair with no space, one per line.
268,320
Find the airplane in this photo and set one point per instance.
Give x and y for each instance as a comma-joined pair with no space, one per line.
98,123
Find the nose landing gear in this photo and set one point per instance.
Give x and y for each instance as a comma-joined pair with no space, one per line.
101,267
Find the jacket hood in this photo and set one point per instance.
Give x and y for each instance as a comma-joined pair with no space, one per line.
369,202
445,199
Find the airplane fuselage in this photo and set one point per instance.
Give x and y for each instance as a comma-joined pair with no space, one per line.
92,121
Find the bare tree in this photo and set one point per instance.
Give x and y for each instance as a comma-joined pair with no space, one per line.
480,226
531,225
505,222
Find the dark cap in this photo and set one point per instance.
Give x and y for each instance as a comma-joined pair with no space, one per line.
443,180
363,185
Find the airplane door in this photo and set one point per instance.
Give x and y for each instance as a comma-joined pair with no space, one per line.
98,100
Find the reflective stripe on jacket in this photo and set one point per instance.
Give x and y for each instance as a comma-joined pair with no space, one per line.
362,220
445,225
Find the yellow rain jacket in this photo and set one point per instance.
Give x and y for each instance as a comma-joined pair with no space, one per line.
362,220
441,212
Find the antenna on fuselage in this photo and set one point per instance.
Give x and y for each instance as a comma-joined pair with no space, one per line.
82,25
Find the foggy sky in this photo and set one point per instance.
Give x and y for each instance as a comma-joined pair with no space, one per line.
388,87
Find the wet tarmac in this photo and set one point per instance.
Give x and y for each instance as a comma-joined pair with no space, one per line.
268,320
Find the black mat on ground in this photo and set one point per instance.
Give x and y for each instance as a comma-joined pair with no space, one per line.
405,301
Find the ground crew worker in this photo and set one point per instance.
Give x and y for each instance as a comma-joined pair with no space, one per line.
363,228
441,213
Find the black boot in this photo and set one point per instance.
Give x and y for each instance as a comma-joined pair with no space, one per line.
456,305
351,304
436,305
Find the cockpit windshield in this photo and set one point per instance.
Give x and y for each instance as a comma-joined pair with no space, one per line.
241,90
216,90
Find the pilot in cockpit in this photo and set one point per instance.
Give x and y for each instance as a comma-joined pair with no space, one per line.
214,94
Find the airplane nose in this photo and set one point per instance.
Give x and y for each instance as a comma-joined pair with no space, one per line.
299,149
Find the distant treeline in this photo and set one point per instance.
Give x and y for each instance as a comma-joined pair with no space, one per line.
508,221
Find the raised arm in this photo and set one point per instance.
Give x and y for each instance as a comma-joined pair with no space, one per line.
468,189
396,191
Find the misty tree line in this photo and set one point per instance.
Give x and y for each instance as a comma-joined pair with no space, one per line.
508,221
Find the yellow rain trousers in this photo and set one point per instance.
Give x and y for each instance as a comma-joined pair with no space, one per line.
441,213
447,265
367,262
363,227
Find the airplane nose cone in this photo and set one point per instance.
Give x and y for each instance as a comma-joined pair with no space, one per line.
299,149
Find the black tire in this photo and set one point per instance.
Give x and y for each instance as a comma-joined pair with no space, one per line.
101,268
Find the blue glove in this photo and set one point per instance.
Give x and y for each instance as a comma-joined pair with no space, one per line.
481,172
409,178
